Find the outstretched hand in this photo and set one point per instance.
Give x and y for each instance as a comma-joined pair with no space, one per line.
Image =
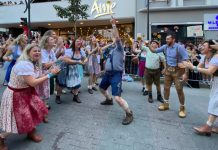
113,21
55,70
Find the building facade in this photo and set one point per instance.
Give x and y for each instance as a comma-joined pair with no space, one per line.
186,18
191,20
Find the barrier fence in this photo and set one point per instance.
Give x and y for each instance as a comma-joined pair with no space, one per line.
194,78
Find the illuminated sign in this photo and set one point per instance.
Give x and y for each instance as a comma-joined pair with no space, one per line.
102,9
211,22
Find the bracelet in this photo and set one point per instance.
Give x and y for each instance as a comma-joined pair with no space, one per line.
49,75
195,69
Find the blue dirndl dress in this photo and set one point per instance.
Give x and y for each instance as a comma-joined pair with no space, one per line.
12,63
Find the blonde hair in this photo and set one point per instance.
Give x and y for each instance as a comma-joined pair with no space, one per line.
48,33
18,39
43,41
25,54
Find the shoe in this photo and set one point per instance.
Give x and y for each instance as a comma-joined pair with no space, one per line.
2,144
48,107
58,100
203,130
90,91
45,120
160,98
182,112
94,88
107,102
150,98
143,89
76,99
145,93
128,119
215,130
164,106
34,137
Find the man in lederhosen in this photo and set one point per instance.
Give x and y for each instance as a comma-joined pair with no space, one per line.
175,55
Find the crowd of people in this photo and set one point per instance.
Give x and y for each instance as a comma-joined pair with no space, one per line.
51,63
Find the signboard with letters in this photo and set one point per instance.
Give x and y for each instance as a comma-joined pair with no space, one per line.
102,8
195,31
211,22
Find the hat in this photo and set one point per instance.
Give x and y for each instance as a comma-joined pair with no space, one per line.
156,41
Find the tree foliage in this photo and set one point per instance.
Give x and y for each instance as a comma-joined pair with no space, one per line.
74,12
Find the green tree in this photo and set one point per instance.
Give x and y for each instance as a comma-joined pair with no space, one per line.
74,12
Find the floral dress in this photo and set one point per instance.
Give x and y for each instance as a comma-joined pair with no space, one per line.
93,63
74,76
21,108
44,89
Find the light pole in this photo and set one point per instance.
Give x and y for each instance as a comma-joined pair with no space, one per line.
28,2
148,17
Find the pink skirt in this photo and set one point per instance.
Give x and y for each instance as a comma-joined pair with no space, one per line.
141,69
23,111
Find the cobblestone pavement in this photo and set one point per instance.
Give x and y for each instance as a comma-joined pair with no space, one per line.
90,126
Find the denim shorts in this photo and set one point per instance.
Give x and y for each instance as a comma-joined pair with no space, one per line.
113,79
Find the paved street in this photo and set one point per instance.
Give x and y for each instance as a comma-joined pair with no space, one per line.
90,126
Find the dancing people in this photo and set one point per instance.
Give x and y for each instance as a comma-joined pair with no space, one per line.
21,108
73,57
153,71
175,55
47,44
15,50
209,49
93,64
113,77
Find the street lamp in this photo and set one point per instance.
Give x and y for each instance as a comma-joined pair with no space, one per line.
27,2
148,14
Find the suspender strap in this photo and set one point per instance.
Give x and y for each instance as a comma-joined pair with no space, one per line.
111,60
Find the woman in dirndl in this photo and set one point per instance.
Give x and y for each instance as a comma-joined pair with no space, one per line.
74,57
93,65
209,48
47,44
21,107
15,50
141,56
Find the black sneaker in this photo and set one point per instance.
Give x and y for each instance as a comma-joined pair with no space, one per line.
150,100
150,97
145,93
90,91
128,119
94,88
143,89
107,102
58,100
160,98
76,99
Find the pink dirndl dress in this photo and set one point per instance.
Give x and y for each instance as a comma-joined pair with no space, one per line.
141,65
21,108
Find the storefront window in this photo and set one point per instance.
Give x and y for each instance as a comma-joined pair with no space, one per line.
184,33
102,32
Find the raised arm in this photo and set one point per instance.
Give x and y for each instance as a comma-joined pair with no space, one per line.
31,81
8,53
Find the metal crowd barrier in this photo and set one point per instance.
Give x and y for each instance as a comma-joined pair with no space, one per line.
194,78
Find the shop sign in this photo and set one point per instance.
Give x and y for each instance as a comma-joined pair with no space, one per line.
211,22
102,9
